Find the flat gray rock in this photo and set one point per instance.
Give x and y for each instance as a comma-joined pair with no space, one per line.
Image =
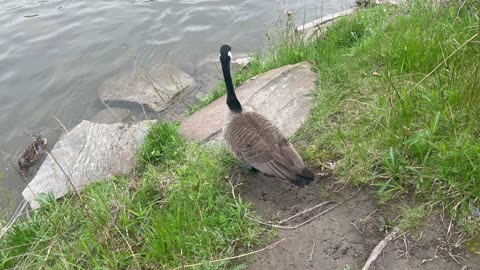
283,95
112,115
318,27
89,152
154,88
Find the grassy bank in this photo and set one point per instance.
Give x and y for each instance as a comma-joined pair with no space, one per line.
178,210
397,107
398,103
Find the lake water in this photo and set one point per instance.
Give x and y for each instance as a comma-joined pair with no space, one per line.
54,55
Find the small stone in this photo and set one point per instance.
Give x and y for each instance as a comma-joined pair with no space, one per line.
242,62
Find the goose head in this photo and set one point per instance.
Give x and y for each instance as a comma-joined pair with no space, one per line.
225,54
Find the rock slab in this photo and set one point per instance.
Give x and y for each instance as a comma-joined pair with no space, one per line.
153,88
112,116
318,26
89,152
283,95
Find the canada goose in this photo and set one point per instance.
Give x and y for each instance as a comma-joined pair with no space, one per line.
253,139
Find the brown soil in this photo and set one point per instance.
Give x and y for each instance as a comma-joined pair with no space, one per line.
344,237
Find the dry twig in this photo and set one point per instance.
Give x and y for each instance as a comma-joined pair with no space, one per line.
443,62
232,258
355,226
304,212
128,245
379,247
311,253
297,226
271,224
60,122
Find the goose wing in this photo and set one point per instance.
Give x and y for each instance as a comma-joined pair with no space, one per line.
255,140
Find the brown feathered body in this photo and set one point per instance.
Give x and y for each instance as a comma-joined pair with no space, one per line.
253,139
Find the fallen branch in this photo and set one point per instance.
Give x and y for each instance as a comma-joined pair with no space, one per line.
232,258
380,246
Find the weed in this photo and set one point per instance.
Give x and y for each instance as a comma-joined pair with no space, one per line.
412,216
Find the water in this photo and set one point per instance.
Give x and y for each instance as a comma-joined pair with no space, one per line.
55,54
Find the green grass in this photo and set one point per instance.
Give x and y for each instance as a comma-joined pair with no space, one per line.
179,208
405,130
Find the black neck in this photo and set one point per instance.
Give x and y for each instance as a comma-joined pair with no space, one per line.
232,101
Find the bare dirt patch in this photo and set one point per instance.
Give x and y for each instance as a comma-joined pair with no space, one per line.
344,237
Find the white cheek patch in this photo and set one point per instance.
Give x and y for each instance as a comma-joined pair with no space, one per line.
230,54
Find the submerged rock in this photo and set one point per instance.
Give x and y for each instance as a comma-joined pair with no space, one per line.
89,152
153,88
283,95
113,115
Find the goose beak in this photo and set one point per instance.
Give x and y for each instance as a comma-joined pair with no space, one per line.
299,182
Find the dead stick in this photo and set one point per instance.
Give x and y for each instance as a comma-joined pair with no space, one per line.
297,226
443,62
232,258
123,146
380,246
303,223
304,211
271,225
311,253
18,212
128,245
60,122
108,107
69,180
322,213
